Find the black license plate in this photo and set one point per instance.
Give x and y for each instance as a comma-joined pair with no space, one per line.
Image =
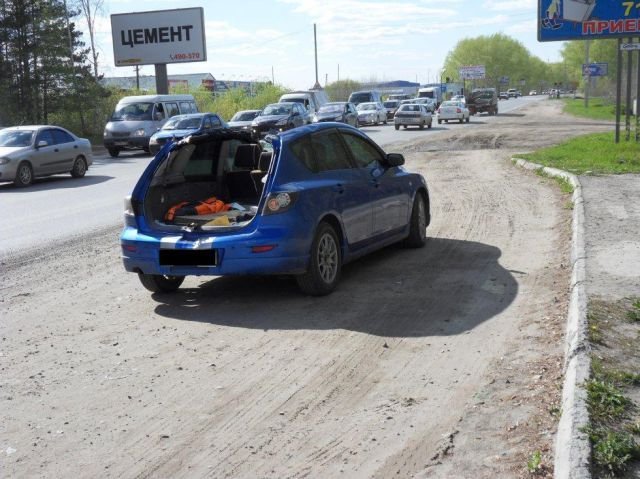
186,257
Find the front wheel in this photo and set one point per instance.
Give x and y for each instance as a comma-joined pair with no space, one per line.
24,175
418,223
79,167
325,263
158,283
113,152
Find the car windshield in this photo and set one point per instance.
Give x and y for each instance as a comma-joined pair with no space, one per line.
331,108
390,104
132,111
487,95
183,123
15,137
244,116
277,109
366,106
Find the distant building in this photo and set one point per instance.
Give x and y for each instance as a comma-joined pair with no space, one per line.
192,80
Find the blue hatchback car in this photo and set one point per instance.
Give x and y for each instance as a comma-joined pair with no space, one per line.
311,200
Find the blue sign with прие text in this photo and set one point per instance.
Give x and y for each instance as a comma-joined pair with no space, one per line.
560,20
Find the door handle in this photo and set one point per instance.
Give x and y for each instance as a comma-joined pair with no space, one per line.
75,146
56,150
375,183
338,188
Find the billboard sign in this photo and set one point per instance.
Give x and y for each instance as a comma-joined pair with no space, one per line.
560,20
595,69
473,72
504,80
161,36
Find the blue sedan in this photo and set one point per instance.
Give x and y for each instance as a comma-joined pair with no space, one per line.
311,200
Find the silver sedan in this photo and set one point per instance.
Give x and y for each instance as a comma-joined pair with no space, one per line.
371,113
412,115
27,152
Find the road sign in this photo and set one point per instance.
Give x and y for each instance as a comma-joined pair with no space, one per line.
627,47
443,87
560,20
504,80
595,69
472,72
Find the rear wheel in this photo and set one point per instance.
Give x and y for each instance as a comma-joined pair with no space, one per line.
158,283
325,263
418,226
397,127
24,175
113,152
79,167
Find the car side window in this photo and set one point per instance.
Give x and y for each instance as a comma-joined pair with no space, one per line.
303,151
46,135
364,154
186,107
172,109
207,123
329,151
215,121
62,137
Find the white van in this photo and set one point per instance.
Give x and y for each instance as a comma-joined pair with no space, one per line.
137,118
311,99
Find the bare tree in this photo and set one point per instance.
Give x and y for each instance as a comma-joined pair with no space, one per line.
90,9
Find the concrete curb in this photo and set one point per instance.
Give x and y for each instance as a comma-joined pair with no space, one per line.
573,450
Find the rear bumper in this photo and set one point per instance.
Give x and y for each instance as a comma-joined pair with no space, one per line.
141,253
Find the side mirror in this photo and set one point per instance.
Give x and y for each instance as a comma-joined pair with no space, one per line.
395,159
41,144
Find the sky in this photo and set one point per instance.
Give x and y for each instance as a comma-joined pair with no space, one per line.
385,40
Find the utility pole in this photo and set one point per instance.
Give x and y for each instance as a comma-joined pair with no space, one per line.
273,78
315,47
587,80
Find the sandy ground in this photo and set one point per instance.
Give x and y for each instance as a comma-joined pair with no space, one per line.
439,362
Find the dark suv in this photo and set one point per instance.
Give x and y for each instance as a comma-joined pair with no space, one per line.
483,100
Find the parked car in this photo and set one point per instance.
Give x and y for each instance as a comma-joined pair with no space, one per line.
278,117
371,113
391,106
503,95
180,126
341,111
305,208
28,152
453,110
533,93
513,93
412,115
242,120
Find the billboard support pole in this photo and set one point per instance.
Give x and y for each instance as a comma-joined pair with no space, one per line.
587,78
162,82
618,90
638,101
627,118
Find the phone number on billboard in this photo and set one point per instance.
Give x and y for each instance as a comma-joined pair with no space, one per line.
185,56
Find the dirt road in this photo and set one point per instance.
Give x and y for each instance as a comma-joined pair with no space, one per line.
423,362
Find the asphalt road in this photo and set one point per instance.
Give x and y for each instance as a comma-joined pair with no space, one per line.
60,207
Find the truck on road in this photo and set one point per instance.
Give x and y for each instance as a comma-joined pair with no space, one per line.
434,92
483,100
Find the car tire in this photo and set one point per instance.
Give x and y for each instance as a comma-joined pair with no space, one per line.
356,124
24,175
429,125
461,120
79,167
439,122
418,223
421,126
385,121
113,152
467,119
405,126
158,283
325,263
397,127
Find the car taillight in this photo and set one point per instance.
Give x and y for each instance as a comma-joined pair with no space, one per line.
129,212
279,202
458,110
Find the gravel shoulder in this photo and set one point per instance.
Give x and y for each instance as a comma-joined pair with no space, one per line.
423,363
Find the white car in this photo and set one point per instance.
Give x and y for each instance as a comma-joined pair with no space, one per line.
371,113
27,152
453,110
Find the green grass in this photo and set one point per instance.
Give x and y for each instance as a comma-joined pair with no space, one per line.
605,401
634,313
599,109
534,462
596,153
